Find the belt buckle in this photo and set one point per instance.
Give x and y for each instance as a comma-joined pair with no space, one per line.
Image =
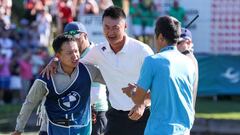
63,122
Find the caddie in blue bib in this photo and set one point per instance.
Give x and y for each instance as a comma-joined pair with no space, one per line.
69,112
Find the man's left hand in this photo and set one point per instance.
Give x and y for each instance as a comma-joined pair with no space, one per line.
129,90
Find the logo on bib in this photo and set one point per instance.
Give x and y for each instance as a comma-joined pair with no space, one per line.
70,101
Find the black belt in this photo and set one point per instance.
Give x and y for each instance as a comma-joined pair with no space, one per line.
147,108
64,122
124,114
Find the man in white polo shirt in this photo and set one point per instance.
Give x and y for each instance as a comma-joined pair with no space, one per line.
120,60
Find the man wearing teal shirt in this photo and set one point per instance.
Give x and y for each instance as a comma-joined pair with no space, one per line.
169,76
98,91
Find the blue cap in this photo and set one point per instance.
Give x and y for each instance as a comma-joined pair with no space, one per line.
75,26
185,34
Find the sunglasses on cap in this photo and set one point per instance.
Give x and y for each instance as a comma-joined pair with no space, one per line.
74,33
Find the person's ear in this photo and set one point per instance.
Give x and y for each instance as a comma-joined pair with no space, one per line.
188,42
85,36
160,37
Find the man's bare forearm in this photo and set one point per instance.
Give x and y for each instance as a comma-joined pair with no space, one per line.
147,100
139,96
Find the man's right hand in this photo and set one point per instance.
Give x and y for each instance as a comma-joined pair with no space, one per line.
50,69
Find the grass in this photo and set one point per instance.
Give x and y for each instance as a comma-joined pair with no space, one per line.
8,116
221,109
206,108
9,110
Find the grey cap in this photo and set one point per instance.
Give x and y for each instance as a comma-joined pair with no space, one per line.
72,26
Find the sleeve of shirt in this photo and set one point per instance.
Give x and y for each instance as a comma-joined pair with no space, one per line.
35,95
195,85
147,51
146,75
95,74
90,57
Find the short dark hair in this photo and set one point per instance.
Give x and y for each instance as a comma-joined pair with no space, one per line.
169,27
60,40
114,12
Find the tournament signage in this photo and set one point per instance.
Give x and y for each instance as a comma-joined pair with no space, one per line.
216,37
218,29
93,25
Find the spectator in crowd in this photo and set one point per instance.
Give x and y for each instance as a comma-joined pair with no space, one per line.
31,7
169,75
33,36
4,77
143,16
24,33
178,12
3,20
124,4
4,17
7,5
104,4
15,81
25,73
37,62
87,7
64,15
113,58
43,20
6,43
185,46
67,92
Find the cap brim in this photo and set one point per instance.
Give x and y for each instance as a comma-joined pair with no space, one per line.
184,38
181,39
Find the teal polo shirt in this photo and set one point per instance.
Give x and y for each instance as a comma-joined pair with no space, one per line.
169,75
101,104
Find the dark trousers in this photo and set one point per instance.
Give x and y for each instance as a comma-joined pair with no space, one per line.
99,127
120,124
43,133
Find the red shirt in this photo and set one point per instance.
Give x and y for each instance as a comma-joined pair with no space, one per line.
66,13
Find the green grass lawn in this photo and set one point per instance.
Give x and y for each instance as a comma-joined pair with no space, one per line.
221,109
9,110
205,108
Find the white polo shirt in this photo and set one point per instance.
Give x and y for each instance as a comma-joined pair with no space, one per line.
119,69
